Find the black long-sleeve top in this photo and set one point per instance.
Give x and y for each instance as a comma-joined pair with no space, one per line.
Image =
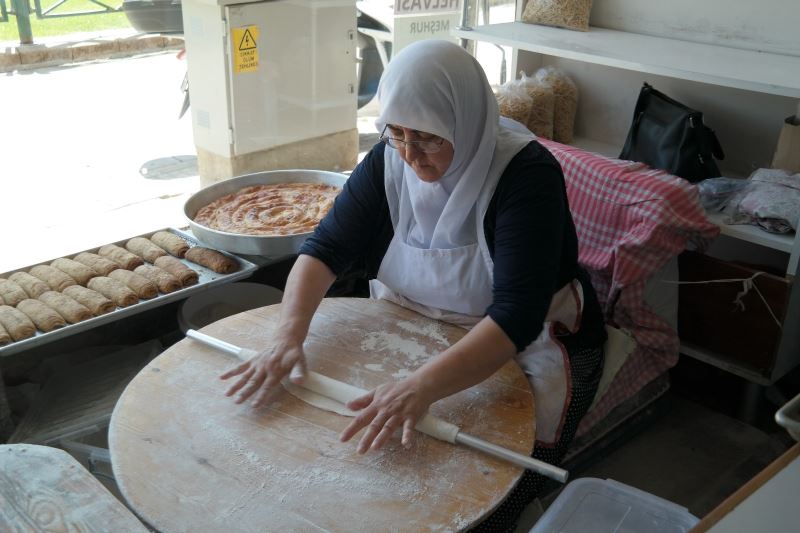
529,232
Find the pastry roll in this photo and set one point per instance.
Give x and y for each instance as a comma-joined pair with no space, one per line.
72,311
77,271
44,316
143,287
144,249
33,286
170,242
101,265
114,290
5,338
18,325
185,275
92,300
11,292
212,259
165,281
121,256
55,279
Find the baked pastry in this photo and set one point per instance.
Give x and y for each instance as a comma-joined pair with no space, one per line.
185,275
32,285
121,256
77,271
11,292
114,290
143,287
170,242
44,316
55,279
91,299
275,209
165,281
5,338
16,323
72,311
101,265
222,264
144,249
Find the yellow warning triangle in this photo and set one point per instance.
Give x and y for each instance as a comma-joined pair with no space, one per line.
247,43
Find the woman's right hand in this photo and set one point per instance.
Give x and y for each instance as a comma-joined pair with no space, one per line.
260,376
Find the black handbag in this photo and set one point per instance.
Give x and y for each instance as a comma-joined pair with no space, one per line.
666,134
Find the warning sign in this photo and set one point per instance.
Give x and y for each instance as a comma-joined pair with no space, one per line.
244,44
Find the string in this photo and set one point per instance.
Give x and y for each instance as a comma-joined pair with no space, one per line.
747,284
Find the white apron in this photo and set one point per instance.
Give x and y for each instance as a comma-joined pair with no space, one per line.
455,285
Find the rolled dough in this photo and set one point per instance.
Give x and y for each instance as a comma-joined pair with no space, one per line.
332,395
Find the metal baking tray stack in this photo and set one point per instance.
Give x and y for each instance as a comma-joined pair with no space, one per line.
207,279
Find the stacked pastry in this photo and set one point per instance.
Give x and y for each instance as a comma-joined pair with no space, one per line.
71,290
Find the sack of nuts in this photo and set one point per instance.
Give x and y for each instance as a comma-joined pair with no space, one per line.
540,120
566,102
513,101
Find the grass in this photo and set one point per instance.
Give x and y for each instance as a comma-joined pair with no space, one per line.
49,27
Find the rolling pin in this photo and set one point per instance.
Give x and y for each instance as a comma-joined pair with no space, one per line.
430,425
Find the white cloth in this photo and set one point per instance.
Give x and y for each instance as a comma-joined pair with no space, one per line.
436,87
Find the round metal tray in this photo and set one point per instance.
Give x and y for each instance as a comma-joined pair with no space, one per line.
266,245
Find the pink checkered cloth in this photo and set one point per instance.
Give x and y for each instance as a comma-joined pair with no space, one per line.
630,220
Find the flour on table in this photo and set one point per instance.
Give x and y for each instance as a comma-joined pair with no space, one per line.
402,373
375,367
395,344
432,330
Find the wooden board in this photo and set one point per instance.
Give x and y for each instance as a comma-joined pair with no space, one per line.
46,489
189,459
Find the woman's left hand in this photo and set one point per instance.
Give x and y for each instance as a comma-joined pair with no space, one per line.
387,408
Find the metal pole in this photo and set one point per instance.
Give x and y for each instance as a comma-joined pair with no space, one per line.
464,25
22,11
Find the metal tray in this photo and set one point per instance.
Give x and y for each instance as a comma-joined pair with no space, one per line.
207,279
264,245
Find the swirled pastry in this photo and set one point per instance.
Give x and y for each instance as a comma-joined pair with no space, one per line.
18,325
44,316
170,242
278,209
11,292
32,286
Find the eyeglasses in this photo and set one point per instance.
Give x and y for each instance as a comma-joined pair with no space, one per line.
427,147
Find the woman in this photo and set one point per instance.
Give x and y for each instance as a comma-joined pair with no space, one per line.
464,220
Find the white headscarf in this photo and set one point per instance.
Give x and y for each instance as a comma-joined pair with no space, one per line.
435,86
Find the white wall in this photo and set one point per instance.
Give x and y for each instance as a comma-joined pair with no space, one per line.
746,123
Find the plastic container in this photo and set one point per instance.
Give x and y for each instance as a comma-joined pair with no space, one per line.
606,506
225,300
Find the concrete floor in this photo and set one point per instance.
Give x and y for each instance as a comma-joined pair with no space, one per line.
97,154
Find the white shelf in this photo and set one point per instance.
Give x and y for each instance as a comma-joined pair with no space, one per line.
719,65
754,234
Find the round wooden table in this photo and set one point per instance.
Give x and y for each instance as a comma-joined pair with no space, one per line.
187,458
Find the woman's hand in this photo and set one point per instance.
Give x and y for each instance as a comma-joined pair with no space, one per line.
262,374
394,405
